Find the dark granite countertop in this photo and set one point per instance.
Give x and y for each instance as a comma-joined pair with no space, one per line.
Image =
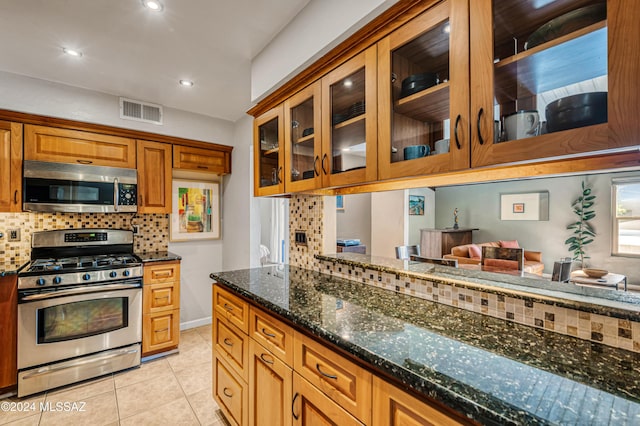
494,371
157,256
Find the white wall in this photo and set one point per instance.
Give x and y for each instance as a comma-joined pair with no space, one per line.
389,227
319,27
479,207
428,220
355,220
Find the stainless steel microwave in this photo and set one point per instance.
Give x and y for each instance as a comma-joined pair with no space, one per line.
78,188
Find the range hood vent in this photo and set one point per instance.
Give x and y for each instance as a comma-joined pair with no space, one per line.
140,111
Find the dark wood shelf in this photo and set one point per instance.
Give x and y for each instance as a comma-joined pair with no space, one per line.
575,57
428,105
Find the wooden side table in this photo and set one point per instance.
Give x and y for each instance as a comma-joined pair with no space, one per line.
609,280
438,242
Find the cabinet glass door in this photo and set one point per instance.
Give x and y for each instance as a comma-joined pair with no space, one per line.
303,140
349,121
424,94
268,152
540,79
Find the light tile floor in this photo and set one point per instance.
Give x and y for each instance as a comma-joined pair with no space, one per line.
173,390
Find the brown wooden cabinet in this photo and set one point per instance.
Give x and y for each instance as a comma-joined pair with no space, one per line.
161,307
438,242
202,160
10,167
269,152
311,407
8,331
154,177
230,392
43,143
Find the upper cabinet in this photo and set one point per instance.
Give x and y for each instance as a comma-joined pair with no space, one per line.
72,146
552,79
10,167
154,177
349,122
209,160
269,152
423,94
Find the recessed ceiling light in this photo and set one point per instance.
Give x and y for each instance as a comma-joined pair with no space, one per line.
348,83
447,28
72,52
154,5
186,83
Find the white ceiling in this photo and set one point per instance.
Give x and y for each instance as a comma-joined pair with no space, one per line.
131,51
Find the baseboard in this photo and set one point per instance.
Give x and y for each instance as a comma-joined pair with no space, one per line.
195,323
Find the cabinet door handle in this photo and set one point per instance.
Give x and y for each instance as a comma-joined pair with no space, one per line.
324,170
203,167
293,403
264,331
228,307
455,131
480,140
315,165
329,376
227,341
15,197
280,174
227,392
84,161
161,331
266,360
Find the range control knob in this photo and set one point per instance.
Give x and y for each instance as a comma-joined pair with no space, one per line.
57,280
126,273
112,274
40,281
86,277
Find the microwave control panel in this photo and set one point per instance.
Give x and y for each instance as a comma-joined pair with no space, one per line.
128,194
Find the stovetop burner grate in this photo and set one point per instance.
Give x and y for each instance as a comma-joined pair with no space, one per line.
76,263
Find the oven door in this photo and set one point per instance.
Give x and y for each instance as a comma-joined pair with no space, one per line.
73,322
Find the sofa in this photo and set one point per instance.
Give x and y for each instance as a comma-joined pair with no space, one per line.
532,259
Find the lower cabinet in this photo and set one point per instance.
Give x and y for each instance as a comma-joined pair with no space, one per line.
8,331
312,407
160,307
230,392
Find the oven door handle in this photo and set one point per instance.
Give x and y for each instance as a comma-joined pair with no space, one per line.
81,290
116,194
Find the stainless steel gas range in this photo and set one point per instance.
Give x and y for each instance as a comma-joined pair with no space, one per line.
79,308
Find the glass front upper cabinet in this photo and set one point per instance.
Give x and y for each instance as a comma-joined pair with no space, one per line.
423,70
542,82
269,152
303,140
349,127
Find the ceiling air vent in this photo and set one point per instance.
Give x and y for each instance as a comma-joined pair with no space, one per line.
140,111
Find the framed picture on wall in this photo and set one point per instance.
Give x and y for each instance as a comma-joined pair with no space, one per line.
416,205
195,212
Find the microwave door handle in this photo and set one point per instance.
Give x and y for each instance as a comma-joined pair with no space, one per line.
116,194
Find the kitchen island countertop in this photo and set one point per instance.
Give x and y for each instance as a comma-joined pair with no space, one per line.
491,370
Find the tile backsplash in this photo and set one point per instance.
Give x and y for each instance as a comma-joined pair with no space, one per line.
306,214
153,230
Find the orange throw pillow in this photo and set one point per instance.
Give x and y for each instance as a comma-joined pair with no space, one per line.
509,244
475,252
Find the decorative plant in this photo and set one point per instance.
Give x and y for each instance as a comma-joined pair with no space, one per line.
583,232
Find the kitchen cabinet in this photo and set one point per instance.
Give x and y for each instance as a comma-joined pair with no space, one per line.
272,334
349,122
161,307
303,140
8,331
269,152
232,308
43,143
230,392
514,70
313,408
394,407
154,177
202,160
270,388
423,94
10,166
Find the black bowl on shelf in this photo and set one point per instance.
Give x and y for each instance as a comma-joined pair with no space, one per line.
356,109
584,109
339,118
567,23
307,132
417,82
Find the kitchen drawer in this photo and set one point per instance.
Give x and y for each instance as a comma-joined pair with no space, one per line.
160,330
230,393
161,297
340,379
204,160
162,272
273,334
231,346
231,307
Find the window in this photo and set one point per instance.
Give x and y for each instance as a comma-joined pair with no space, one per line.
626,217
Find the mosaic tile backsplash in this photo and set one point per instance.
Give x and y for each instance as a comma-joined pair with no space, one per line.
153,230
305,214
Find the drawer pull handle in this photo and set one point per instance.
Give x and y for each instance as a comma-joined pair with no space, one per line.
227,392
203,167
162,297
84,161
264,331
161,331
266,360
227,341
329,376
162,274
293,403
228,307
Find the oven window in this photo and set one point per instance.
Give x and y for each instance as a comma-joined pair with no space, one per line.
81,319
